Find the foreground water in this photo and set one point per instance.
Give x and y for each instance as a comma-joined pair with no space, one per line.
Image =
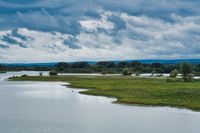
47,107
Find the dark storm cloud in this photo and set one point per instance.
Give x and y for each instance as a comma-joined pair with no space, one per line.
8,39
99,29
64,15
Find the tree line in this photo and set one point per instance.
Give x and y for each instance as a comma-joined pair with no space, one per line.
109,67
122,67
4,68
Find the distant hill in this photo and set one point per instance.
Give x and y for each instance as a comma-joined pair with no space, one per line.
148,61
30,64
176,61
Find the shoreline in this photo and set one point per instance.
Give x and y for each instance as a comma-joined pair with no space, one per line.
116,101
92,90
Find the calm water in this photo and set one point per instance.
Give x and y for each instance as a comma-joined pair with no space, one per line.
46,107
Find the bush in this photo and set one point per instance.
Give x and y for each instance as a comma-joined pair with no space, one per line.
24,75
103,72
53,73
174,73
127,72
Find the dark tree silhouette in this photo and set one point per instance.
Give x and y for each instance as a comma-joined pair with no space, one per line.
186,70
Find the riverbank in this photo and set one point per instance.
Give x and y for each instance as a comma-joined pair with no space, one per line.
130,90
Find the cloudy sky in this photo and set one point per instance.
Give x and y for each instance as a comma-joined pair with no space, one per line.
76,30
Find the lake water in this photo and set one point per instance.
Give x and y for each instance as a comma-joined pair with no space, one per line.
47,107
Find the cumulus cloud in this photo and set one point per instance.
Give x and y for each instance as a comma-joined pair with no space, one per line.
71,30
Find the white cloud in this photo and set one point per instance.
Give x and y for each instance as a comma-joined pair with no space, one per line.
142,38
94,25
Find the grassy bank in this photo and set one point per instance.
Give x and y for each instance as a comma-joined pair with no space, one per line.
143,91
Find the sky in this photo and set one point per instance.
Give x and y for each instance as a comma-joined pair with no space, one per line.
98,30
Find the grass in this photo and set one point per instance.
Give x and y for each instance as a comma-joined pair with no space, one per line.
142,91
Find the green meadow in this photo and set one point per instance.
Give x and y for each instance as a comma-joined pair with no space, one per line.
132,90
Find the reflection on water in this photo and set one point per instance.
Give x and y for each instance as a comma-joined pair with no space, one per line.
49,90
30,73
47,107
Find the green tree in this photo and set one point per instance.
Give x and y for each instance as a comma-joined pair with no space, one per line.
62,66
110,64
135,64
81,64
122,64
174,73
186,70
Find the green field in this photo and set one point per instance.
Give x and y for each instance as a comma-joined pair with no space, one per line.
142,91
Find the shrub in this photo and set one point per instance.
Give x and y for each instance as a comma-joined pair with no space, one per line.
53,73
127,72
24,75
174,73
103,72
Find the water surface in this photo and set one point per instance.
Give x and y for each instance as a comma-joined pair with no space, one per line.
49,107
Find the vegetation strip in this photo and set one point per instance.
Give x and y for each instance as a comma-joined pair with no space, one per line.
132,90
107,67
